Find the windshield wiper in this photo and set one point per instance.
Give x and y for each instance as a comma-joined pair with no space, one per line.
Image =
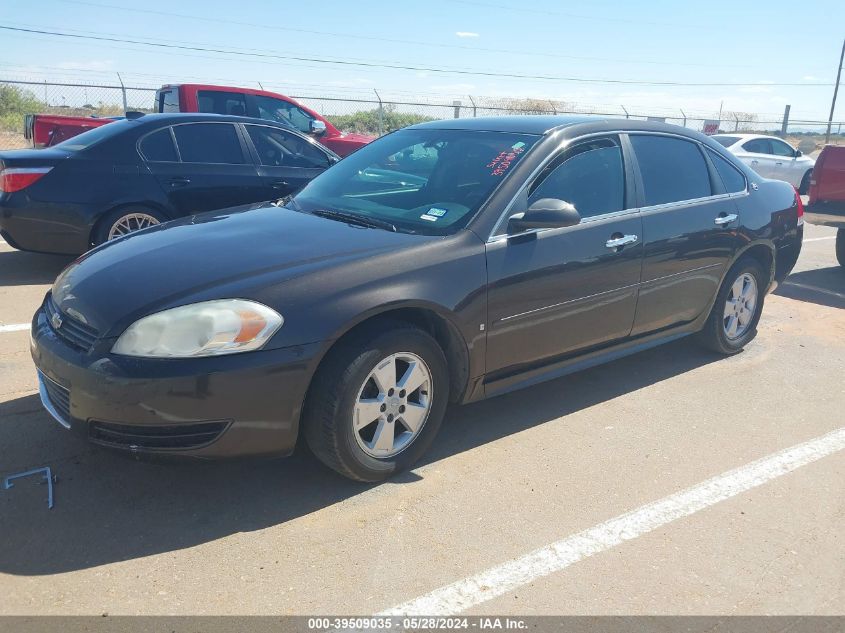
354,218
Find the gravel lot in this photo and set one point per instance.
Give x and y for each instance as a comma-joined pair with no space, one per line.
505,477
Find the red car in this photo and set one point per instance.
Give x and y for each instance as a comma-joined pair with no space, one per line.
827,194
259,104
46,130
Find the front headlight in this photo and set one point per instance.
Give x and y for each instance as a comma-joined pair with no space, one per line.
224,326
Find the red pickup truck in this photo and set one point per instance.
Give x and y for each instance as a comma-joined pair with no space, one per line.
46,130
827,194
259,104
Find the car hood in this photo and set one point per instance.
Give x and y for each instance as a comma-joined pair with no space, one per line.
357,138
233,253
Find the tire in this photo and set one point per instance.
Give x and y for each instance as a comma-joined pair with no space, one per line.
715,333
346,389
840,246
132,215
804,187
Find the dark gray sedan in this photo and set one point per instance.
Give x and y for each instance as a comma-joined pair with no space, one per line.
446,262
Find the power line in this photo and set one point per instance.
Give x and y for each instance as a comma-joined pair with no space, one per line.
373,38
395,66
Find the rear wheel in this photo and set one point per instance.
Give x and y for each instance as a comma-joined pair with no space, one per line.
804,187
377,402
840,246
733,320
124,221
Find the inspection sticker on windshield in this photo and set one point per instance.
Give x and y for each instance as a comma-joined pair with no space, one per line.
433,213
506,157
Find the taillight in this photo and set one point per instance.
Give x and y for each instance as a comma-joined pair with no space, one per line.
17,178
800,205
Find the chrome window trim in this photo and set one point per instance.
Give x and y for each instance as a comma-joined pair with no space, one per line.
497,237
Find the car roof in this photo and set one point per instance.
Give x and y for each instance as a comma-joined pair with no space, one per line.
745,137
573,125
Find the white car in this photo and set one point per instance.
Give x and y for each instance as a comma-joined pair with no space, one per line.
770,157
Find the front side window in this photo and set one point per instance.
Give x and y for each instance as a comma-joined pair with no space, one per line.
672,169
278,148
590,176
221,102
779,148
209,143
758,146
274,109
422,181
731,177
158,147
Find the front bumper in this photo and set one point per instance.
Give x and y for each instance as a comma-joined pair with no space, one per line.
227,406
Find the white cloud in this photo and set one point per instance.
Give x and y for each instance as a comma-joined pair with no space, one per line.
810,78
466,34
94,64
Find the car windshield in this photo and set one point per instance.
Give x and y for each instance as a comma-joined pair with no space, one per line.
95,135
419,180
725,141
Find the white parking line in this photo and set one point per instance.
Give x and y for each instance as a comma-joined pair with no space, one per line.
521,571
14,327
819,239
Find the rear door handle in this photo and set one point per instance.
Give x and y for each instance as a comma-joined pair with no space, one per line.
778,163
179,182
724,220
754,162
280,184
619,242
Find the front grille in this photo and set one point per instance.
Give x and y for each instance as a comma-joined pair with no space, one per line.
173,436
58,397
73,331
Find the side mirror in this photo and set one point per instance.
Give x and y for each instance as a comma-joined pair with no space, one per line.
798,153
546,213
318,128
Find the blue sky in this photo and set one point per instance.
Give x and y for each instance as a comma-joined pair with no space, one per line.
755,43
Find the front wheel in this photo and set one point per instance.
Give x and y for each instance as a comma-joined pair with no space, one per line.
732,323
840,246
377,402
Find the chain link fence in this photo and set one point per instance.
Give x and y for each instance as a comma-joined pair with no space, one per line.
377,115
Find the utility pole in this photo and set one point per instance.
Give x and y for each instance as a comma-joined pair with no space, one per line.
785,125
835,90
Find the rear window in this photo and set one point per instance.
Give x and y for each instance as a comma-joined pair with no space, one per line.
209,143
94,136
672,169
168,100
725,141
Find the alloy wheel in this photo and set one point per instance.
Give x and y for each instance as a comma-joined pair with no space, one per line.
392,405
130,223
740,306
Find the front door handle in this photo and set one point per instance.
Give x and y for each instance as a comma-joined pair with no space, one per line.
179,182
754,162
778,163
724,220
619,242
281,184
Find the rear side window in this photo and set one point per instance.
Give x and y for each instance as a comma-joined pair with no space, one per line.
209,143
158,147
731,177
758,146
672,169
283,149
725,141
590,176
221,102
